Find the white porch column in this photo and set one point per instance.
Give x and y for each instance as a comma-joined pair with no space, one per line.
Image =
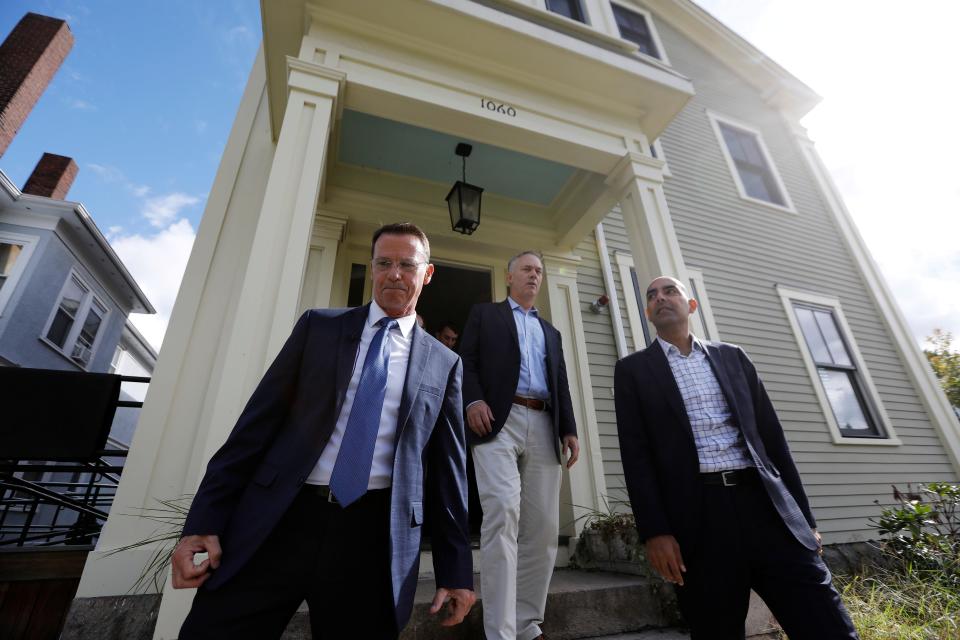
653,242
321,264
584,484
270,294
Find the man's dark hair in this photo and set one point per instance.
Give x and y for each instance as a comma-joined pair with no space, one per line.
401,229
447,323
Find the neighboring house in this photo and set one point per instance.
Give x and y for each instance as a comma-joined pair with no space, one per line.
623,139
65,295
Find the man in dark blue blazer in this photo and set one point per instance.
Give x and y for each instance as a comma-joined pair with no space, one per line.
715,492
353,436
520,416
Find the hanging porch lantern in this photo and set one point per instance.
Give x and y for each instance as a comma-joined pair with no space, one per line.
463,201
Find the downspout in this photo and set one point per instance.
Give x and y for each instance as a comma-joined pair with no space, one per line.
614,306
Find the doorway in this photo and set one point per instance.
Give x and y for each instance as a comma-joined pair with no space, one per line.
448,298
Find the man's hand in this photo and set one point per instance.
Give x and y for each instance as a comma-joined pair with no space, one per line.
816,534
663,553
480,418
187,575
571,443
461,601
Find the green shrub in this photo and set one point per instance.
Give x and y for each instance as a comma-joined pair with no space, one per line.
923,531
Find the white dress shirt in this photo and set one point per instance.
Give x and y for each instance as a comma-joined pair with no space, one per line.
720,444
381,472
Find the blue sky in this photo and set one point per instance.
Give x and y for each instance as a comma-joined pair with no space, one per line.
143,103
146,98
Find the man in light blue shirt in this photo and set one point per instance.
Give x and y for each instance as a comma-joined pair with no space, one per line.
520,416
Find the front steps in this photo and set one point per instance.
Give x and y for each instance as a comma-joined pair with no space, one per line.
581,604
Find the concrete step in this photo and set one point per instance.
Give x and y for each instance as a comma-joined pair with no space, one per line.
581,604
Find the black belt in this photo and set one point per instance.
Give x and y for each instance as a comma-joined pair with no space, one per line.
323,492
730,478
533,403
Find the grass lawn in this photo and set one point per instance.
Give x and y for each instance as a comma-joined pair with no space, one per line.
893,605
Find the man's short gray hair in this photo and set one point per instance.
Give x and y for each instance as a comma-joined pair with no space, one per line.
528,252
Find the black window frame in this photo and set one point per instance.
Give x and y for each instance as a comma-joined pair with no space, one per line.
870,414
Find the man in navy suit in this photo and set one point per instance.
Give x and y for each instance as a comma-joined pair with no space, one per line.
520,416
715,492
319,493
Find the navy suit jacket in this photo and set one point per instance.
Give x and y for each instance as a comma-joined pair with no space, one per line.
255,476
490,349
660,462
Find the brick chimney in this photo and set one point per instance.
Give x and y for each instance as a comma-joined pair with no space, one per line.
52,177
29,57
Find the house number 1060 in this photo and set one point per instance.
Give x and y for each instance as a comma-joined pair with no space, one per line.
490,105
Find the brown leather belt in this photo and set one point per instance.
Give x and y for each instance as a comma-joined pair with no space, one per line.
532,403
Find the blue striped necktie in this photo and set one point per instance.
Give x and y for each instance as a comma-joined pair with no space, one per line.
351,471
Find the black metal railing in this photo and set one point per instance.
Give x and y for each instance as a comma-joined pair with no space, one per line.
64,501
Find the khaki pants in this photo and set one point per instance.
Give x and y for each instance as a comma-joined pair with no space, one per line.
518,478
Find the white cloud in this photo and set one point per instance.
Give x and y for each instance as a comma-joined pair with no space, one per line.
106,172
82,105
160,211
157,262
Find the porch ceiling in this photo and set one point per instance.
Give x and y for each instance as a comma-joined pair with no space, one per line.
372,142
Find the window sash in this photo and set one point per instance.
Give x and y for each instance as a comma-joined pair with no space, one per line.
756,174
634,27
848,403
567,8
836,372
66,331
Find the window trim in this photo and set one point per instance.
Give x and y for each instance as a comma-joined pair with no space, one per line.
716,120
29,244
636,316
888,436
82,312
654,34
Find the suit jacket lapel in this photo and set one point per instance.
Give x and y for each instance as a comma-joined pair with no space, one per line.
419,357
506,314
657,361
350,332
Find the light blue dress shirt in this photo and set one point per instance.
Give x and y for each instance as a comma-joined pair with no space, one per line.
533,353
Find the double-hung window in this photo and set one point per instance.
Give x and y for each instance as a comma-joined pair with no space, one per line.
637,27
841,381
750,163
15,250
76,321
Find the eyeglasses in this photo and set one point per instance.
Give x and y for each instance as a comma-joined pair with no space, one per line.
386,264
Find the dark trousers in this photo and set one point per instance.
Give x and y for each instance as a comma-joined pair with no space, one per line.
336,559
742,544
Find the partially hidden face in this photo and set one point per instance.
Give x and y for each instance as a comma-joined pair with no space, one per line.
448,337
400,269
